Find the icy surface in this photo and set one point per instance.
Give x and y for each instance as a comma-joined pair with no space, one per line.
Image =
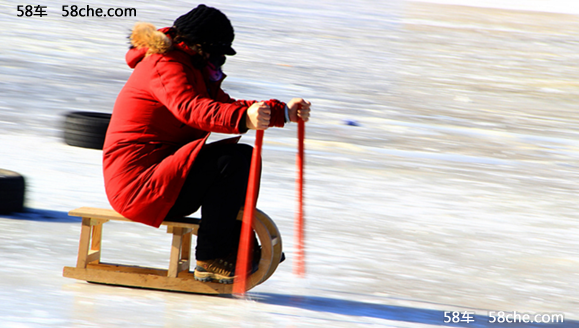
456,189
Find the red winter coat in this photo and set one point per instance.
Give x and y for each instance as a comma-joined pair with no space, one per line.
161,120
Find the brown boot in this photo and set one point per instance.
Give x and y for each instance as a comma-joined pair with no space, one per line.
220,270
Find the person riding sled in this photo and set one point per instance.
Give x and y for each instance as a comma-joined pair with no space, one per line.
156,162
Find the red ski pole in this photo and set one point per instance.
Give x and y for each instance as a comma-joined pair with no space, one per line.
245,245
299,262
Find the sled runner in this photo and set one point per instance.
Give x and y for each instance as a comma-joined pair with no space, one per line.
179,275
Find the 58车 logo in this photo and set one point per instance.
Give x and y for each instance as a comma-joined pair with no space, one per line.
30,10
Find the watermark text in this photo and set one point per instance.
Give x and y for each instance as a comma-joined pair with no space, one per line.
75,11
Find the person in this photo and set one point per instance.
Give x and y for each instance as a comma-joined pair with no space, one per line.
156,162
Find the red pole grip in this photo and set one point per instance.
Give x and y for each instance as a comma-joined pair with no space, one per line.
299,260
245,245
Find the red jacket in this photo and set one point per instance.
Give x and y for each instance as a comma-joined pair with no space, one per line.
161,120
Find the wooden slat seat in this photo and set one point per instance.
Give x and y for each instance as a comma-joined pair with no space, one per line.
178,276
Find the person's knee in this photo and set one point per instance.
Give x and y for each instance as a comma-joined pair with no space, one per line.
243,154
236,160
245,150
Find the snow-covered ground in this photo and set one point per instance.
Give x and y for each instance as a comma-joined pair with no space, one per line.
550,6
456,191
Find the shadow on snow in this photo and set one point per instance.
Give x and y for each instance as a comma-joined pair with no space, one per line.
389,312
35,214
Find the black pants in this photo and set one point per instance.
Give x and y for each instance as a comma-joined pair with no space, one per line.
217,183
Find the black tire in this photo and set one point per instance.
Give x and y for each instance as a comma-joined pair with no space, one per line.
12,189
86,129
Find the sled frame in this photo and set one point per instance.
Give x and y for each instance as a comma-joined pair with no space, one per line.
178,277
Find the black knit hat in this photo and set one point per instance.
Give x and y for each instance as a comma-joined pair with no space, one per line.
206,26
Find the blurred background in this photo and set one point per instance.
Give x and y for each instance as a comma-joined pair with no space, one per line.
442,154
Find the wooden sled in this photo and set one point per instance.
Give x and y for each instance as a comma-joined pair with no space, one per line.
179,276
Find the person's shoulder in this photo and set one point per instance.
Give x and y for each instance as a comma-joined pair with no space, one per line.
171,62
175,60
172,56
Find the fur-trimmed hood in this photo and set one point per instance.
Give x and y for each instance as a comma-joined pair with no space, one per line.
145,35
147,40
